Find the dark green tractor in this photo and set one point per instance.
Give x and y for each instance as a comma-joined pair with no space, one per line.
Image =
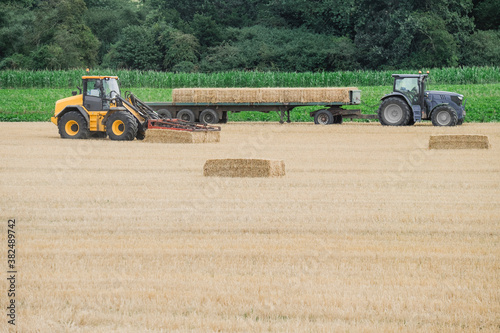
410,102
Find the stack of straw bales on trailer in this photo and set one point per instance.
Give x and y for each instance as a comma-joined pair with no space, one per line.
261,95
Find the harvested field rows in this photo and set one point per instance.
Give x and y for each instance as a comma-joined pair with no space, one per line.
369,230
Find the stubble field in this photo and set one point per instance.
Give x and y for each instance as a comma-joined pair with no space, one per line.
368,231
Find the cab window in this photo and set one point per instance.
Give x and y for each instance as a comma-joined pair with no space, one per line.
94,88
408,87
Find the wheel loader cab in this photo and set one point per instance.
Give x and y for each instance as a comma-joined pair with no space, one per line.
98,91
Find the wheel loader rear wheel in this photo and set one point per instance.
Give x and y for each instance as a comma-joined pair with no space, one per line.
73,125
122,126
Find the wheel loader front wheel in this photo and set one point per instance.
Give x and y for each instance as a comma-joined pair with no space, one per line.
121,126
73,125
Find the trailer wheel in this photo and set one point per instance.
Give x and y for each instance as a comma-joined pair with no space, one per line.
224,118
186,115
444,116
323,117
394,112
121,125
209,116
73,125
338,119
164,114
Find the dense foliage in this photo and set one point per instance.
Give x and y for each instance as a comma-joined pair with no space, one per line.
265,35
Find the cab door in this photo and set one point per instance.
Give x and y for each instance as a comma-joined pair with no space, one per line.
93,94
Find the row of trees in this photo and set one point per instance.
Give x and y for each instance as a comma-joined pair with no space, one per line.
217,35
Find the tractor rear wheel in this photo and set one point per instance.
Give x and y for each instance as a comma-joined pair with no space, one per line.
394,112
121,125
323,117
444,116
73,125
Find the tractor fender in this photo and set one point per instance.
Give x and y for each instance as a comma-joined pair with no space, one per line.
69,108
435,107
396,94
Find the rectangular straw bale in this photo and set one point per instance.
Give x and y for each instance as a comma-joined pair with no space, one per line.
244,168
248,95
205,95
459,141
183,95
173,136
261,95
229,95
292,95
270,95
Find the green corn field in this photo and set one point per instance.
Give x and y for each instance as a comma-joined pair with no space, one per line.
151,79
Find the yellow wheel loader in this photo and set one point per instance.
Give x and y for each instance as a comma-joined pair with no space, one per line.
99,110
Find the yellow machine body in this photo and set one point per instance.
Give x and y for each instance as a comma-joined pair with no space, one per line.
94,118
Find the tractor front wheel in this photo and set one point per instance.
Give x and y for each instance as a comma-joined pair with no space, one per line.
121,125
394,112
444,116
73,125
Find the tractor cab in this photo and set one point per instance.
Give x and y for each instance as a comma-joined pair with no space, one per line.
412,88
98,91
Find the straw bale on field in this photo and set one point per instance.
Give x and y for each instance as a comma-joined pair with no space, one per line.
261,95
244,168
462,141
173,136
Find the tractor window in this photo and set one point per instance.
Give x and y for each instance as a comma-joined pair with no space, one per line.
408,87
111,88
93,88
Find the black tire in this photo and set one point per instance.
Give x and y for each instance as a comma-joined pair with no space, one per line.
460,121
411,122
444,116
224,118
140,135
164,114
209,116
72,125
186,115
323,117
394,112
121,125
338,119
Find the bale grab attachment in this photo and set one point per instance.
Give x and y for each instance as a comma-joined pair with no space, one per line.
154,121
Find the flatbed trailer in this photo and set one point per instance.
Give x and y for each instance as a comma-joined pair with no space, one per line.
331,112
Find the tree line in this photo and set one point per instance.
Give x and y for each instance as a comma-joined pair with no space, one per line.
264,35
